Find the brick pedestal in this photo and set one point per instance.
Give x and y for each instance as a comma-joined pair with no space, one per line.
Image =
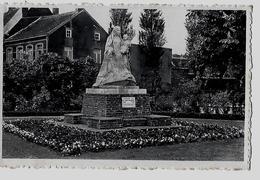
109,102
116,107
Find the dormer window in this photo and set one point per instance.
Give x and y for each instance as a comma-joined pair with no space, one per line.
68,33
97,36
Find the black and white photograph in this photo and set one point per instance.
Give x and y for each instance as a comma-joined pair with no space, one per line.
127,83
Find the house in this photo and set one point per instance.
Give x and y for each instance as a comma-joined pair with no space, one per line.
17,18
73,35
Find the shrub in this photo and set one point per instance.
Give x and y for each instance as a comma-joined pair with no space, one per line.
47,83
201,116
218,99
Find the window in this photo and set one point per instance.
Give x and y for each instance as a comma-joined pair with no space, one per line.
9,54
97,36
68,33
68,52
29,51
38,49
19,52
97,56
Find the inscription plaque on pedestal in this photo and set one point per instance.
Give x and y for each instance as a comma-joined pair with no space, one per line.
128,102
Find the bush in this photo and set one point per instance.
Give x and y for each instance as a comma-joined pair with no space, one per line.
183,98
9,100
189,99
38,113
201,116
218,99
49,83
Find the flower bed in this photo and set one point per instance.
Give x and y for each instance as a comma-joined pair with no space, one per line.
73,141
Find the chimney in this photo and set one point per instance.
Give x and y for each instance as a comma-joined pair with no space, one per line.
25,11
79,9
55,11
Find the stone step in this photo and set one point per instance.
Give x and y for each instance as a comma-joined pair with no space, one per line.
130,122
118,122
158,120
73,118
102,122
118,87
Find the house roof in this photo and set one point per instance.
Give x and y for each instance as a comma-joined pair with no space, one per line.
9,14
43,26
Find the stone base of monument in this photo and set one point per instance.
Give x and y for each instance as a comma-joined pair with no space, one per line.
117,122
73,118
130,122
116,102
158,120
115,107
102,122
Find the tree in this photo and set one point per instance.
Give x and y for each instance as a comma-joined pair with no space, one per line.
187,95
151,37
122,18
216,47
49,83
216,41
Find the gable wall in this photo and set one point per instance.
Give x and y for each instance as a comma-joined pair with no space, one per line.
83,36
83,28
56,41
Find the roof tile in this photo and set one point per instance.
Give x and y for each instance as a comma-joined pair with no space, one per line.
9,14
42,26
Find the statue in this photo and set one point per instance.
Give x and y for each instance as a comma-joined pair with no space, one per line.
115,69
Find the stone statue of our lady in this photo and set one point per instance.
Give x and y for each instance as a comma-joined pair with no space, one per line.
115,70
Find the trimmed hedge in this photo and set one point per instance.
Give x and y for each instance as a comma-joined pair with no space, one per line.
41,113
201,116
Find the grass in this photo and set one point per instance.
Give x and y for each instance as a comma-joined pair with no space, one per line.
225,150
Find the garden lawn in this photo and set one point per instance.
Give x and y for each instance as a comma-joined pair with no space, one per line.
222,150
226,150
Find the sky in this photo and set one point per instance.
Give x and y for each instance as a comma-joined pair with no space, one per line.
175,31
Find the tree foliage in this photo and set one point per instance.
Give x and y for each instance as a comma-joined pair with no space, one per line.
216,42
122,18
187,95
216,47
48,83
152,24
151,35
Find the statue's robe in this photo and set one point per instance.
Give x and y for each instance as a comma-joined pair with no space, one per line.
115,68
